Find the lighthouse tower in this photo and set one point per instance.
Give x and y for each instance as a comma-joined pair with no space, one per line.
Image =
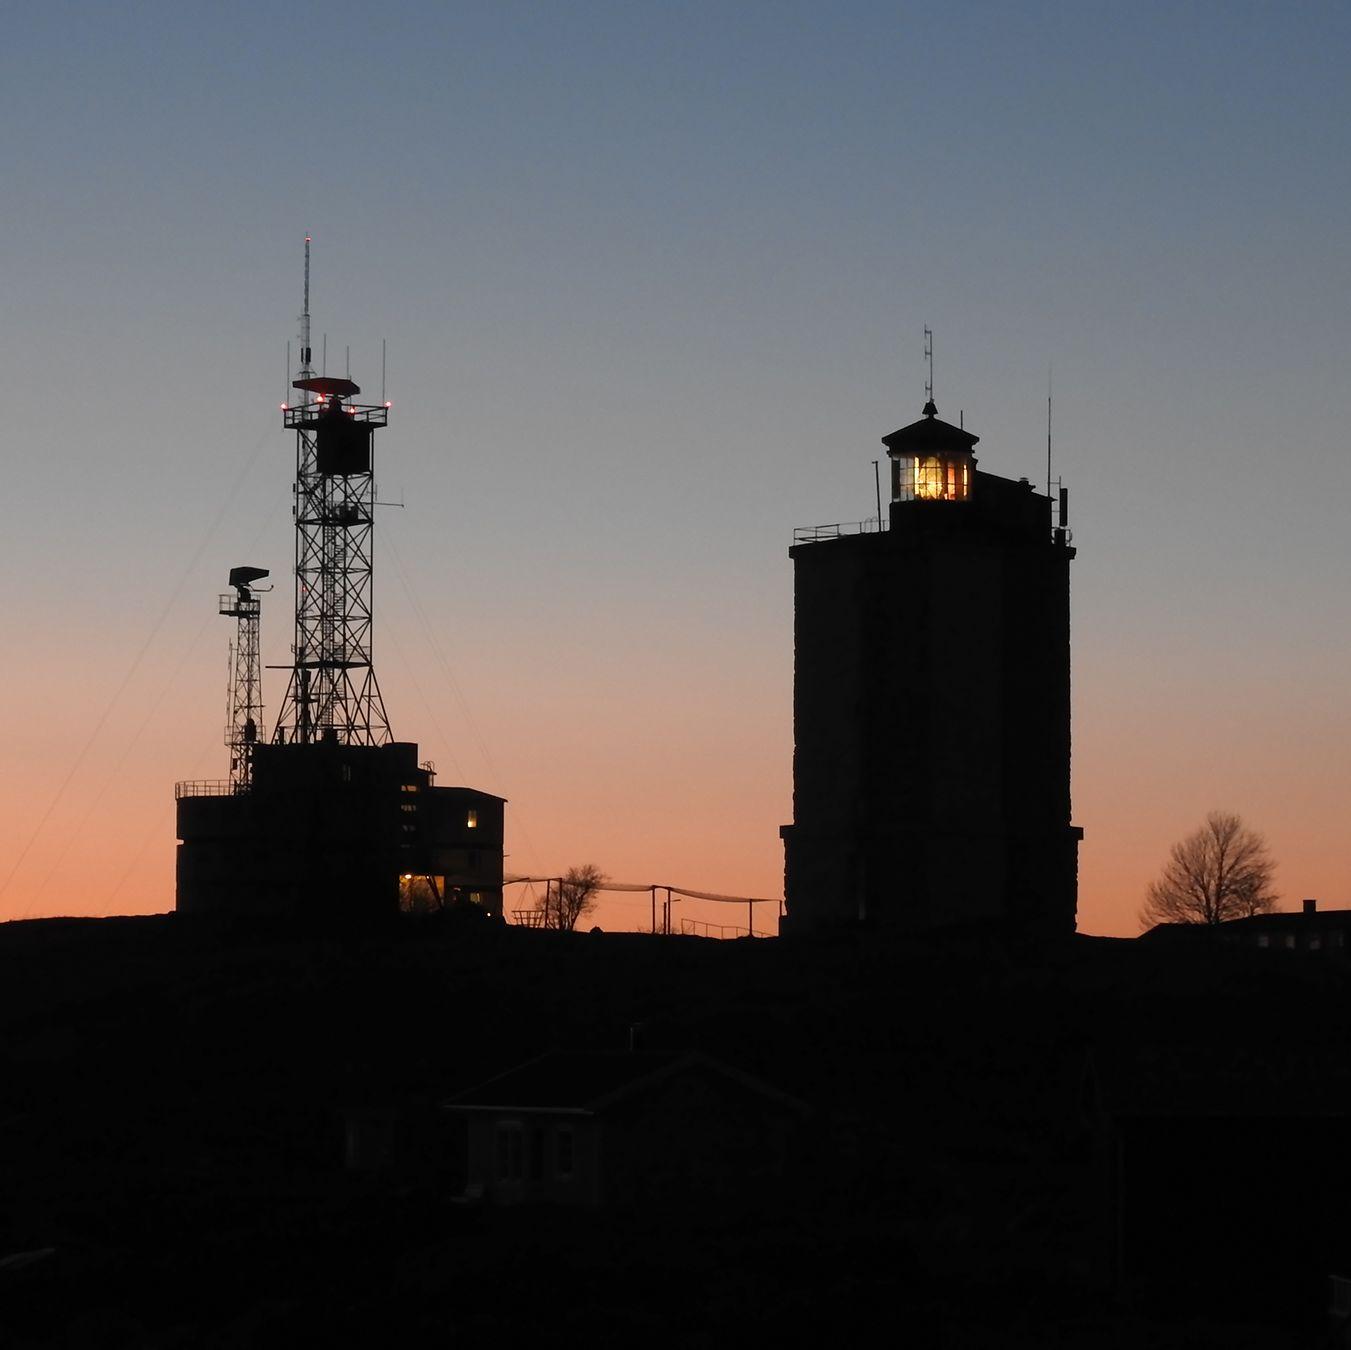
931,703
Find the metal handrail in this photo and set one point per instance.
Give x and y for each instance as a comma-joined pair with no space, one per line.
207,787
815,534
309,414
811,534
698,928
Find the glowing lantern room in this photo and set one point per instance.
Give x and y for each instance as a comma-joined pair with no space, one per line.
931,460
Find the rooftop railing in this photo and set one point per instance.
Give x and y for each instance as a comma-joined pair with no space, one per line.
812,534
207,787
308,414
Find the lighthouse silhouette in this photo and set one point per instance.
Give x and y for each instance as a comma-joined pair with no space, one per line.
931,703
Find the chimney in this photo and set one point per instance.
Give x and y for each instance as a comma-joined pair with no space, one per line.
1311,906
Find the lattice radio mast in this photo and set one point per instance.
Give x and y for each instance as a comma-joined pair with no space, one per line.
332,694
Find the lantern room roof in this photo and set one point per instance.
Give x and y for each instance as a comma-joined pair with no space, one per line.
928,435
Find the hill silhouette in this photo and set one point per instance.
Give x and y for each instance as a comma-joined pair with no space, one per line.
175,1095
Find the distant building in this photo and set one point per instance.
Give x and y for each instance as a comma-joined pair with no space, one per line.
931,704
1321,932
327,829
595,1128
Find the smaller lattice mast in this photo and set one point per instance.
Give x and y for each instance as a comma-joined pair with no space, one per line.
244,700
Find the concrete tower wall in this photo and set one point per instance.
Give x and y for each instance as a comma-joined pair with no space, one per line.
931,719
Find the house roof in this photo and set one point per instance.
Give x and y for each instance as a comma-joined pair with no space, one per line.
589,1081
1276,921
1282,919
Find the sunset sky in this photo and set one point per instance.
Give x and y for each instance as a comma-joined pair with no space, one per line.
654,279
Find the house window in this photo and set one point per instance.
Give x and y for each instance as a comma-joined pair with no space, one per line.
407,787
408,806
510,1151
537,1153
471,821
1290,941
564,1153
346,773
1263,940
1315,942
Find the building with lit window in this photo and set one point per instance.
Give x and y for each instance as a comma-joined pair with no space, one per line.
328,829
931,703
331,817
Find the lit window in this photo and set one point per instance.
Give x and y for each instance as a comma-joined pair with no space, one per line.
408,806
475,897
407,787
472,820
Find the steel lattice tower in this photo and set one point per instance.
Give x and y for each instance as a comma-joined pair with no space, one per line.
332,693
244,699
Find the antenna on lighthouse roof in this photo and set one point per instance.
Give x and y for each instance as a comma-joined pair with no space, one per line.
1048,432
929,358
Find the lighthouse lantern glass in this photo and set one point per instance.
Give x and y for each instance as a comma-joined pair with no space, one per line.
938,477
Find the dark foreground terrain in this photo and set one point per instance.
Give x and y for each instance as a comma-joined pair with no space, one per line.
1102,1144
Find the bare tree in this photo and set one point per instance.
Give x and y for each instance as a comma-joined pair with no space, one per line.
1222,871
572,895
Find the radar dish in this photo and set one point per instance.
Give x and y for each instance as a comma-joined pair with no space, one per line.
329,385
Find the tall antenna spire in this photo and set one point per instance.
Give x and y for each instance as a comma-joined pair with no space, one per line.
306,368
929,359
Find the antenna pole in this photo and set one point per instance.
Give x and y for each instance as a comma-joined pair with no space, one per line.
306,368
929,358
877,483
1048,433
382,370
